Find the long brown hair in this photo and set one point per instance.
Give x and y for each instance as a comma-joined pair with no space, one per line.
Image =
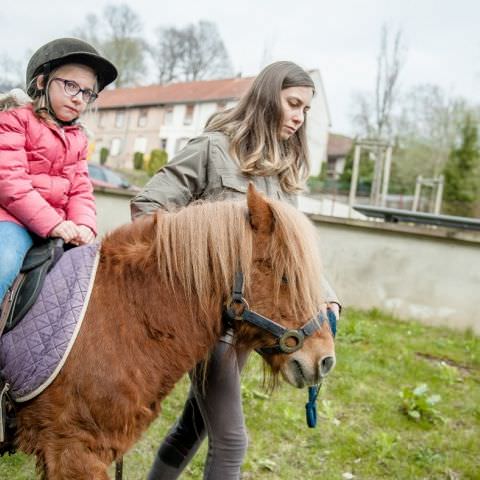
253,126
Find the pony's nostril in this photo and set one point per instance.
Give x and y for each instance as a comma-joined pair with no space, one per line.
326,364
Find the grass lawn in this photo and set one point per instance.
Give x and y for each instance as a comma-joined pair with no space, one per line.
374,423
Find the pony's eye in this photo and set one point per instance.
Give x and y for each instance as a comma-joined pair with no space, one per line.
284,279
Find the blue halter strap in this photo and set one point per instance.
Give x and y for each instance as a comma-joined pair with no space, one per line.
311,405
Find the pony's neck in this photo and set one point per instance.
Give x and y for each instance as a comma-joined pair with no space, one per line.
154,319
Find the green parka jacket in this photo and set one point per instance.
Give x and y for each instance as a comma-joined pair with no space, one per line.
204,168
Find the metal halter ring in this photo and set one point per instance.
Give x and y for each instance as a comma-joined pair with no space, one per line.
299,338
239,302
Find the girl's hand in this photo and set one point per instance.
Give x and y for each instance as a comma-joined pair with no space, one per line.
85,235
67,230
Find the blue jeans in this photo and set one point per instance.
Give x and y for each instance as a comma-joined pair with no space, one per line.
15,242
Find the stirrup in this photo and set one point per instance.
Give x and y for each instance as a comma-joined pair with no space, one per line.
3,411
7,421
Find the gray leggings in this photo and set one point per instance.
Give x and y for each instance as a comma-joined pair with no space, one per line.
216,411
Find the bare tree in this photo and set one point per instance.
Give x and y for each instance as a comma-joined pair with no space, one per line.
427,128
363,114
194,52
389,65
205,54
121,41
89,30
168,53
374,111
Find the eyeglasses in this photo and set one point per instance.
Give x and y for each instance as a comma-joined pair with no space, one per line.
73,88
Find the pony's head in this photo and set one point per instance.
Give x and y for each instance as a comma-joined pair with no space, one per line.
260,266
278,313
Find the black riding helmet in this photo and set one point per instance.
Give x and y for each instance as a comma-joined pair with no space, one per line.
68,50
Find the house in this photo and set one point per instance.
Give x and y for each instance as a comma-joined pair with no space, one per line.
140,119
337,150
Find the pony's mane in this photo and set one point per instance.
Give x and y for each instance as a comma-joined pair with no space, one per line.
296,257
199,248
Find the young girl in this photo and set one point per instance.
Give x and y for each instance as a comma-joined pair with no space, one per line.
261,140
44,186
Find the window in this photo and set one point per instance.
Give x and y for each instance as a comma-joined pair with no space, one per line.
187,120
142,118
116,147
168,117
180,143
163,143
119,119
140,145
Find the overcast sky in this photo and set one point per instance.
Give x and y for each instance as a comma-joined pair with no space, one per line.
338,37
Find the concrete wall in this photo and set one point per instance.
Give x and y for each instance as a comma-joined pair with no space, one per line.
429,274
432,275
113,209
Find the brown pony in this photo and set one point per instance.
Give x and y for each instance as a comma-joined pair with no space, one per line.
156,310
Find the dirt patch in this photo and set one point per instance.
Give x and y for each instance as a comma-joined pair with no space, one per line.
464,369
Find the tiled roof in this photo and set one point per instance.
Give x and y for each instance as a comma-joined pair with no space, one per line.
338,145
200,91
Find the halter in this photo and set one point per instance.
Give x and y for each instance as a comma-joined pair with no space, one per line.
278,331
283,334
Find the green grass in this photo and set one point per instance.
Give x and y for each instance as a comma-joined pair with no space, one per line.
362,429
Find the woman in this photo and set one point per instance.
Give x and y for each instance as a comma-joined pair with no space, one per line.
261,140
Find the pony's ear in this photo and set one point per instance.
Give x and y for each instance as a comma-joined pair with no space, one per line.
260,213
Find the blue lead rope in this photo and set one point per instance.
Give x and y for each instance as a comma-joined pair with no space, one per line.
311,405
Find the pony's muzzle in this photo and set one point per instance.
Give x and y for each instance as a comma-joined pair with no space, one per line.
327,364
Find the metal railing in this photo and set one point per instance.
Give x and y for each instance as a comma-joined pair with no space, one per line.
396,215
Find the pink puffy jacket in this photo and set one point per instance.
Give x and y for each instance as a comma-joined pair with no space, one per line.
43,173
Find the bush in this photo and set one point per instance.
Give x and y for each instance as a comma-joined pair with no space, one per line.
138,161
462,185
158,158
104,152
417,404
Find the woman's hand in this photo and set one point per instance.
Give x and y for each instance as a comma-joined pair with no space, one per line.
335,308
67,230
332,306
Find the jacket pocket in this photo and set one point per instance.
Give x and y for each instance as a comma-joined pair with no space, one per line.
238,183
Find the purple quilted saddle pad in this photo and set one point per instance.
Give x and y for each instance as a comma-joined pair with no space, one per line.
32,354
